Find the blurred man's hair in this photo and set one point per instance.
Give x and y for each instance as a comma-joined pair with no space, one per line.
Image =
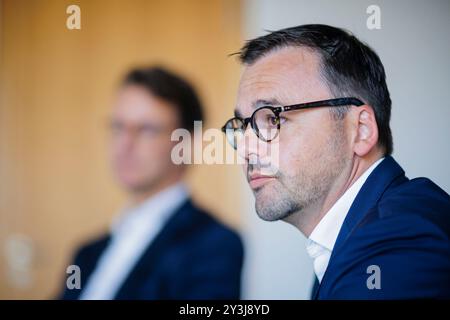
348,66
168,86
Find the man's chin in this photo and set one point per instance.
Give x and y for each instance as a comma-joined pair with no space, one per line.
266,216
265,209
271,206
136,186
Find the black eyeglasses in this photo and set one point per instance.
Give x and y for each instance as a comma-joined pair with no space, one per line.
265,121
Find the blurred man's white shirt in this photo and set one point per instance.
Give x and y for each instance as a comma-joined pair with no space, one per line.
321,241
131,233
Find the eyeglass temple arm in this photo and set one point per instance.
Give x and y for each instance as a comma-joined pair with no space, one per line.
324,103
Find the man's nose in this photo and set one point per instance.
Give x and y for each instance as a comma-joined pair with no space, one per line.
126,140
248,145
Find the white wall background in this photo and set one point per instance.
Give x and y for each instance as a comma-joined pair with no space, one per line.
414,46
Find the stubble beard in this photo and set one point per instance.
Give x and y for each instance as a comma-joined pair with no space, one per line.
289,194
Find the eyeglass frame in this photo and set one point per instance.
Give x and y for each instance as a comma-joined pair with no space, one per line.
336,102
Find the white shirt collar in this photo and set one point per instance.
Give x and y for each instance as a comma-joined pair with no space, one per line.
132,232
153,211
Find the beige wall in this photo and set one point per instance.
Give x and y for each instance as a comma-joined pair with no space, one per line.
56,86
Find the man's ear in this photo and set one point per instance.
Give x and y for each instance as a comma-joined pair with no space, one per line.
367,131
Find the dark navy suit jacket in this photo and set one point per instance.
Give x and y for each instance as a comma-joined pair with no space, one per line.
193,257
402,227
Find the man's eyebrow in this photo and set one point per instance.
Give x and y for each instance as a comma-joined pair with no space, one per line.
265,102
258,104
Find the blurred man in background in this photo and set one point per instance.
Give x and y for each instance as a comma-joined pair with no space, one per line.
162,246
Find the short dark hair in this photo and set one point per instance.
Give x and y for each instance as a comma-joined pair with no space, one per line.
172,88
348,66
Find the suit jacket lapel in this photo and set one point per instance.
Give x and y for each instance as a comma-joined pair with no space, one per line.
372,190
179,221
315,288
87,262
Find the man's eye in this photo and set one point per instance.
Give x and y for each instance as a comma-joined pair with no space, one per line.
149,130
115,127
274,121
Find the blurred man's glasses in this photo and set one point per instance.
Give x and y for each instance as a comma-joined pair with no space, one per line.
265,121
147,130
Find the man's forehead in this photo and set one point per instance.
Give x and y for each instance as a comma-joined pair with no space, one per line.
286,57
279,76
284,60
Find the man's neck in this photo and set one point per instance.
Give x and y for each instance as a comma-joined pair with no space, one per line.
308,218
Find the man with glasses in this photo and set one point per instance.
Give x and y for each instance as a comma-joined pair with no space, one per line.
161,246
318,96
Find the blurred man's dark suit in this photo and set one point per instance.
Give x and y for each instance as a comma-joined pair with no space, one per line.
192,257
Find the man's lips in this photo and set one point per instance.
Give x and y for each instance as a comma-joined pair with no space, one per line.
258,180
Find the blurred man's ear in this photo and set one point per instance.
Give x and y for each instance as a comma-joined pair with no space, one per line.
366,137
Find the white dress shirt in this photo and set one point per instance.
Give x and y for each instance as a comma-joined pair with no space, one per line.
131,233
322,239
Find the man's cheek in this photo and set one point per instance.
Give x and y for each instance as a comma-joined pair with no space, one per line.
291,153
286,160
